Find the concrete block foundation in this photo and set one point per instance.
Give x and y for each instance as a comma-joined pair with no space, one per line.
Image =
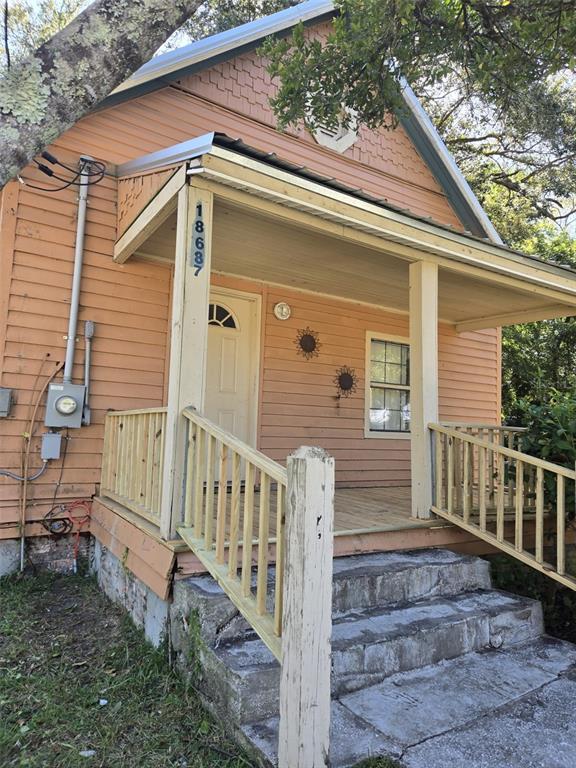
146,609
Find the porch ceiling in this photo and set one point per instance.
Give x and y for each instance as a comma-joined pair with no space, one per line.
263,247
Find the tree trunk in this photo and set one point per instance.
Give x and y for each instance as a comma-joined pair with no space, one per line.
44,95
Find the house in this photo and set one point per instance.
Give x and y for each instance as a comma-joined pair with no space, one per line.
243,292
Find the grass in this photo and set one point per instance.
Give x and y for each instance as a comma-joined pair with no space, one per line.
77,677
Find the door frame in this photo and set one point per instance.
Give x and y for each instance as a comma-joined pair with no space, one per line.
256,315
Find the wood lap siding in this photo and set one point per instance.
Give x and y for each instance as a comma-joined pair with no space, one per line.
298,404
129,305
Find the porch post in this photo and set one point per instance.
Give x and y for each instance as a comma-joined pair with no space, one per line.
188,342
423,380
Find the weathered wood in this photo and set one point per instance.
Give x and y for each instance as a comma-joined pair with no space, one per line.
209,499
499,471
280,537
423,380
307,621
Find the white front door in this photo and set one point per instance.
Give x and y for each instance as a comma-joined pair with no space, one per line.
231,381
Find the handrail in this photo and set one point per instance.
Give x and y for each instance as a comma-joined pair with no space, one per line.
480,484
258,459
224,480
133,459
474,425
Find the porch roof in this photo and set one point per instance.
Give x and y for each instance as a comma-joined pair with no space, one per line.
488,284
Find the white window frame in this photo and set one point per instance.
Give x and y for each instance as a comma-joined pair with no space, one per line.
368,433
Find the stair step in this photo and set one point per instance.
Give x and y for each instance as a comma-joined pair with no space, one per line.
360,581
370,645
444,714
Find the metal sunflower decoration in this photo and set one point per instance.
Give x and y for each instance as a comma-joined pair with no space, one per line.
308,343
346,381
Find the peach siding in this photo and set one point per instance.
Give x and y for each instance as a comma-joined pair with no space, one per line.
130,303
297,396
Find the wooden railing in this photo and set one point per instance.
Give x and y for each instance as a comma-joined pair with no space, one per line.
481,485
511,437
235,498
133,460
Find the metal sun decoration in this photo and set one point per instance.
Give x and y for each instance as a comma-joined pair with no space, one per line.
307,342
346,382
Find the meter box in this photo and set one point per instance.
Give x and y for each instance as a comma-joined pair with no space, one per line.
64,405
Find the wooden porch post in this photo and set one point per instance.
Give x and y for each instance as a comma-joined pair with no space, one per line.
423,380
188,342
304,736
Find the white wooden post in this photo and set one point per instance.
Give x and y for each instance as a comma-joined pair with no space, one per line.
304,737
423,380
188,342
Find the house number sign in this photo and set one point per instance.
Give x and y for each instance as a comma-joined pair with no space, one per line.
198,250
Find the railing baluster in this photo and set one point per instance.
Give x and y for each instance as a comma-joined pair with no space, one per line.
458,450
539,515
560,525
234,516
190,463
209,499
499,462
221,505
279,585
519,508
199,477
263,535
450,478
466,481
482,487
248,531
438,439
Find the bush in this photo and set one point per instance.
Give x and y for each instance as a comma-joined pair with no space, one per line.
551,436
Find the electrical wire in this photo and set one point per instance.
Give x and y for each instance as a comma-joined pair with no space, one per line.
93,170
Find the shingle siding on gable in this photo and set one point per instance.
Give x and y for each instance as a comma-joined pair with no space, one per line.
243,86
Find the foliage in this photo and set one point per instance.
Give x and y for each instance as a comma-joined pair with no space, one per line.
496,78
76,675
551,436
216,16
537,358
559,603
32,23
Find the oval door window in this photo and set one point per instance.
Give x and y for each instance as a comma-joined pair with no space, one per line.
221,316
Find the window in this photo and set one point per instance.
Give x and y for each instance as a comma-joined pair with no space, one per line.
389,391
219,315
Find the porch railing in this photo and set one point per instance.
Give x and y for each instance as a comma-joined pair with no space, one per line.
133,460
480,485
235,496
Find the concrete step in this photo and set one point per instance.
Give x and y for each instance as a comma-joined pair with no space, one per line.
372,644
360,582
509,707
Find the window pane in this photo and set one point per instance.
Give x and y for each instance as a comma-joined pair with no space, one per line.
393,352
377,397
377,371
378,351
394,374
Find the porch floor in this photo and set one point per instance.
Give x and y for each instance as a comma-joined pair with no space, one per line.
356,510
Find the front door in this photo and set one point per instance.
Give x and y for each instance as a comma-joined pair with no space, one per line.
231,381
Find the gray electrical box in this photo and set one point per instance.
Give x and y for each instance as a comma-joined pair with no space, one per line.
64,405
5,401
51,444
